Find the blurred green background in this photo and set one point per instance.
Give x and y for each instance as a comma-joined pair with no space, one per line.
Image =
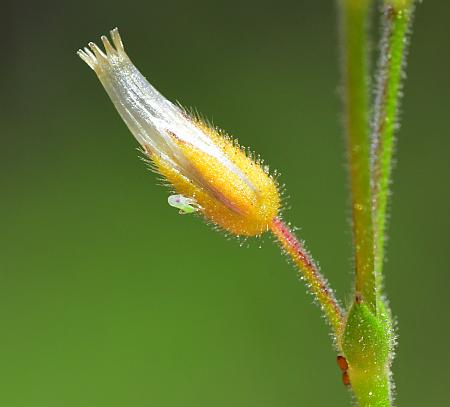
109,298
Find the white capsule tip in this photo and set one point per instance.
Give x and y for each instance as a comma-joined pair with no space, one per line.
96,58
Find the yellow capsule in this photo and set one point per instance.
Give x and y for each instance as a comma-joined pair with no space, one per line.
201,163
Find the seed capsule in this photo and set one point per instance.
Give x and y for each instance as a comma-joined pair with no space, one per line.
201,163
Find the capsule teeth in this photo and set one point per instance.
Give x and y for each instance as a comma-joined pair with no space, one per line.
83,56
99,54
87,56
95,57
117,41
91,56
108,47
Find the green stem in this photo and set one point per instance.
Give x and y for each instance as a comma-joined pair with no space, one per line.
372,390
366,344
310,272
397,17
354,24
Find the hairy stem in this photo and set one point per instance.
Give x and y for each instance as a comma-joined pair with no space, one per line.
354,24
397,16
310,272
